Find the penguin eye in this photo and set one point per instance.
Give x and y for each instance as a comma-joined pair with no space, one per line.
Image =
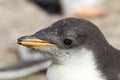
67,42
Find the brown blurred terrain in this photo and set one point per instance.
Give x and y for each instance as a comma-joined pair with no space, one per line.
19,18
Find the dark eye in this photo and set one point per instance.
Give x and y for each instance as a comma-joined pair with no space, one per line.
67,42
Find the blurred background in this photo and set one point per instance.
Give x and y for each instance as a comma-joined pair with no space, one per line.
24,17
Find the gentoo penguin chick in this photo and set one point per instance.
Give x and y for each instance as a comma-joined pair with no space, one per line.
78,49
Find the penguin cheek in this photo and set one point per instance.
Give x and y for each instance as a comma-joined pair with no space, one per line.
82,39
50,50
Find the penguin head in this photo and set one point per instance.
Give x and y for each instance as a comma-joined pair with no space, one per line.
64,37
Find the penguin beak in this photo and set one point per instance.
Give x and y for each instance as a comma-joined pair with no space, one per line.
33,42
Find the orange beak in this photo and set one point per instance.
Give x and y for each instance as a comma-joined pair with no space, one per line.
35,42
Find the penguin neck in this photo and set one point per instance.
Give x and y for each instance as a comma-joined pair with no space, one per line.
82,62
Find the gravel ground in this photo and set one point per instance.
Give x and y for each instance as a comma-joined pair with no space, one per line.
19,17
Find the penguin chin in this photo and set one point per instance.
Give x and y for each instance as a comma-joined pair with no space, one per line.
54,52
49,50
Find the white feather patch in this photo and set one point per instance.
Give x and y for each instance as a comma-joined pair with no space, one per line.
81,66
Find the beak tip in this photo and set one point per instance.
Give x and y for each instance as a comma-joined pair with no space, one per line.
19,40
